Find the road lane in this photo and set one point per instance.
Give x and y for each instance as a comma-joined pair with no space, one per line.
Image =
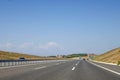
83,70
11,71
88,71
55,72
112,67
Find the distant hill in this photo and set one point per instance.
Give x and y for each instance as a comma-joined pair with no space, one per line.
77,55
15,56
112,56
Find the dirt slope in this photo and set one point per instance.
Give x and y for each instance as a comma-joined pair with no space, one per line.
15,56
112,56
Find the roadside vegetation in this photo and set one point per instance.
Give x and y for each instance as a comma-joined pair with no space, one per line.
118,63
15,56
112,56
4,55
76,55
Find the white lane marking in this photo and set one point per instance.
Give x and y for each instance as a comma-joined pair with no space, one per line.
106,68
104,62
77,63
57,63
40,67
73,68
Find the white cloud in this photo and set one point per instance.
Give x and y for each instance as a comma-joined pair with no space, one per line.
8,45
50,45
26,45
29,47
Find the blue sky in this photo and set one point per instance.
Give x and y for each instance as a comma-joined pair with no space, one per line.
52,27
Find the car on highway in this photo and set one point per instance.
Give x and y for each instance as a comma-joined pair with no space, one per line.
22,58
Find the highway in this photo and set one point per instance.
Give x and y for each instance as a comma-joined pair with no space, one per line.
59,70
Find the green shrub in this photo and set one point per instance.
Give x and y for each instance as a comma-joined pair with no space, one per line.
118,63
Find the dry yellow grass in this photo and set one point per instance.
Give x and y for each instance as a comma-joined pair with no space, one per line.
4,55
112,56
15,56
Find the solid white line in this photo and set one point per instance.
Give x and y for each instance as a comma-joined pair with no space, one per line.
106,68
73,68
40,67
104,62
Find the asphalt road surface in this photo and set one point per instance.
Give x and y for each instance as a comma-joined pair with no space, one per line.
62,70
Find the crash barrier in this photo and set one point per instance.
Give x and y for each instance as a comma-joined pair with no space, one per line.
5,63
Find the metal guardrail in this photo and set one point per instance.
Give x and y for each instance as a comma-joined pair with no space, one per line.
5,63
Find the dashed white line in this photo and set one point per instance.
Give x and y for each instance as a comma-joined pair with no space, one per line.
57,63
40,67
106,68
76,64
73,68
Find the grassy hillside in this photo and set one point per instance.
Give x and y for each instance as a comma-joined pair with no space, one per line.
112,56
77,55
15,56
